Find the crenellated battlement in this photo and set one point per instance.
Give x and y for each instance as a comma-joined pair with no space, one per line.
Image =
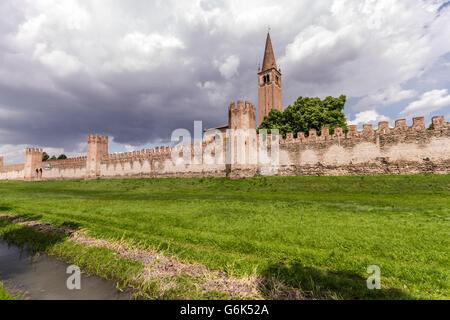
138,155
368,131
134,155
242,107
34,151
15,167
68,160
243,116
67,163
97,139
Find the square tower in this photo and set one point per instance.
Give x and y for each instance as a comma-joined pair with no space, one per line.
97,148
33,164
269,83
242,118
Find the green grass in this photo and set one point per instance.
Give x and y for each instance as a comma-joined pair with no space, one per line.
318,234
103,262
4,295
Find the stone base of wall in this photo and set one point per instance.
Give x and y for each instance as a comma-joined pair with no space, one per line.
381,167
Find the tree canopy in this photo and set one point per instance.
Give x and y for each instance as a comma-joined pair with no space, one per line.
46,157
308,113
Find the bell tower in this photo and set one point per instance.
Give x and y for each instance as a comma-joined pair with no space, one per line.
269,83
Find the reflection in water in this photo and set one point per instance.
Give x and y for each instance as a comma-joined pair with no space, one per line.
44,278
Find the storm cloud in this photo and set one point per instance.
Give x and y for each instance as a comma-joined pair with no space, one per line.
137,70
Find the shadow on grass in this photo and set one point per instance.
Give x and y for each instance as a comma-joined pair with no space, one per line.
71,225
5,209
316,283
29,216
65,227
28,239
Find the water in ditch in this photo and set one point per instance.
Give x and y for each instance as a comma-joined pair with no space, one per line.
45,278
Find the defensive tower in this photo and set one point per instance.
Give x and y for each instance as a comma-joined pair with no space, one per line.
33,164
97,148
242,117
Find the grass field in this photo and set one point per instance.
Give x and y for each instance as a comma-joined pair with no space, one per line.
318,234
4,295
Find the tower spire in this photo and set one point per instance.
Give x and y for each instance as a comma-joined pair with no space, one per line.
269,57
269,83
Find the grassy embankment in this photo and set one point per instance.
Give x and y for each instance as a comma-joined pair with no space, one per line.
4,295
318,234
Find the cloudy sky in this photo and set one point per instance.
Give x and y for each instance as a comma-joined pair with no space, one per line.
137,70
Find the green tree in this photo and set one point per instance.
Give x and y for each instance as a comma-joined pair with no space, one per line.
62,157
308,113
53,158
45,156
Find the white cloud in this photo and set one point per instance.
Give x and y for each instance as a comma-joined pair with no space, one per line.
15,154
217,93
30,30
45,18
69,14
315,42
430,101
384,97
364,47
60,62
149,44
229,68
141,51
239,18
368,117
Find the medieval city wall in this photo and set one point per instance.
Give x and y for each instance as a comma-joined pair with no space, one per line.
14,172
74,168
399,150
161,162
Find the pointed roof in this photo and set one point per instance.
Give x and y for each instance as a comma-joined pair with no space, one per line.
269,57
